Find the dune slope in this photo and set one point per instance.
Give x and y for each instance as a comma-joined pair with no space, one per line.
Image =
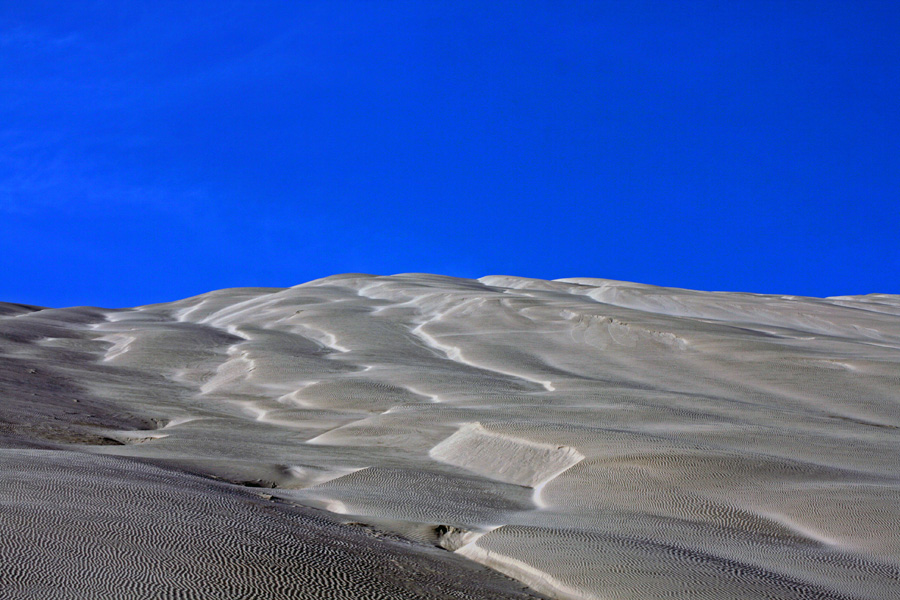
589,438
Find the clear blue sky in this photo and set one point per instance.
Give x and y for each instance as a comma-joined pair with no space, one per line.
155,150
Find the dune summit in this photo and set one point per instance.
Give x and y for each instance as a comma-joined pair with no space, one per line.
390,437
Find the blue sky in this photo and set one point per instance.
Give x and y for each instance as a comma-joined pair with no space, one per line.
152,151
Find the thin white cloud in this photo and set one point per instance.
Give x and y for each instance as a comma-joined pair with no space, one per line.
37,39
41,175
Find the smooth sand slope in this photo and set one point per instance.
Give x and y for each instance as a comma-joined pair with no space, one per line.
589,438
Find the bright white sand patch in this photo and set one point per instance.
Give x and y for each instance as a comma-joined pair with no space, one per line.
503,457
120,344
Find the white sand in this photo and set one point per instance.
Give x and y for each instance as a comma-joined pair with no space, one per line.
591,438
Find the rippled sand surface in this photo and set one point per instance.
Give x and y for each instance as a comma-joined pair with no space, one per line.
586,437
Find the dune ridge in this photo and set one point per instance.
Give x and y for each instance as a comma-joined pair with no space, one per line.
589,437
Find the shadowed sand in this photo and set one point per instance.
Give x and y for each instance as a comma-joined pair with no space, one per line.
587,437
100,527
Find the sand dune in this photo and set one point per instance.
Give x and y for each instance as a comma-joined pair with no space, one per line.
590,438
83,526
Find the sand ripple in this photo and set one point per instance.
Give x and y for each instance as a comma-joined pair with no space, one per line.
592,438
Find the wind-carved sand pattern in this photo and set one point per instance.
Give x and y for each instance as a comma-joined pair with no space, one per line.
377,437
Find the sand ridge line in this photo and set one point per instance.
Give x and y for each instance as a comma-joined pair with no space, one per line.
455,354
787,312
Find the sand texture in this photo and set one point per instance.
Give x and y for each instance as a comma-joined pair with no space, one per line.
378,437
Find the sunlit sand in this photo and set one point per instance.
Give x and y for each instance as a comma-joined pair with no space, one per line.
365,437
